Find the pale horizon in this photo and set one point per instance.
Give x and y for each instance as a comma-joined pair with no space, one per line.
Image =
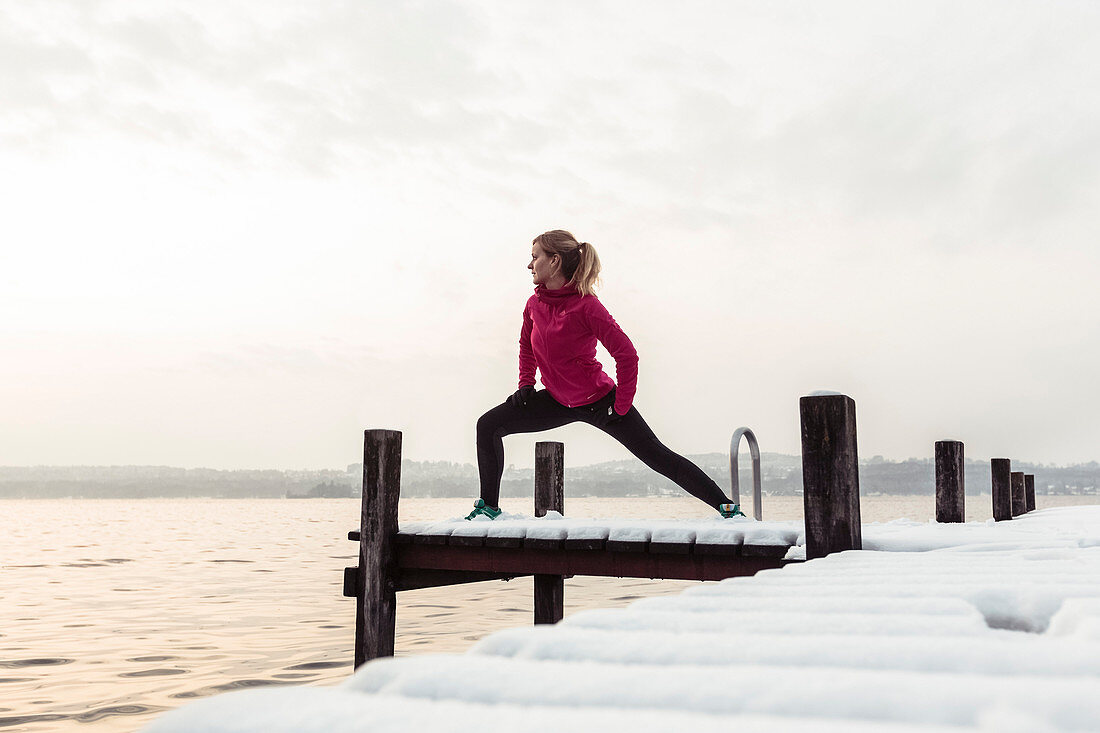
236,236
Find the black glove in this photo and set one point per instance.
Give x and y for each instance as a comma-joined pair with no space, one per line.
522,395
605,410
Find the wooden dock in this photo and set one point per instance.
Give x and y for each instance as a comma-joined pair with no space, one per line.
942,627
998,630
433,554
446,556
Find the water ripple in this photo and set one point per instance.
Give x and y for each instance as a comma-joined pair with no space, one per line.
158,672
43,662
227,686
115,710
319,665
24,719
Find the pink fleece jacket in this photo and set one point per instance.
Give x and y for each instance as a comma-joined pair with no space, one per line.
560,329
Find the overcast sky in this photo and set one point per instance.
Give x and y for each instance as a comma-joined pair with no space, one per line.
237,234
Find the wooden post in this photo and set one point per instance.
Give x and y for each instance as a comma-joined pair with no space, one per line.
830,475
1029,491
376,614
1001,471
1019,498
950,478
549,496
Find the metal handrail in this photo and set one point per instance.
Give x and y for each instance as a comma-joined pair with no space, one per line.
754,451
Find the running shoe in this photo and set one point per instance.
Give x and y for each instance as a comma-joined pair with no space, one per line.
480,509
728,511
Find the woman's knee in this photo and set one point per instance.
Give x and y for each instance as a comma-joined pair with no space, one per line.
492,423
485,425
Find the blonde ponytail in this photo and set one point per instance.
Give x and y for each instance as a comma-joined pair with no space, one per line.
579,262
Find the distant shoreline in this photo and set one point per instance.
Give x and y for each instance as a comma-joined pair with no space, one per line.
781,476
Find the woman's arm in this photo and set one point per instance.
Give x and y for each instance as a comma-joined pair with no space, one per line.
527,361
618,344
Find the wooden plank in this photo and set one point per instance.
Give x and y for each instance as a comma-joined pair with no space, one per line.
521,561
627,545
415,579
466,540
629,539
716,549
773,551
671,548
672,541
351,582
430,539
543,543
503,541
590,537
588,544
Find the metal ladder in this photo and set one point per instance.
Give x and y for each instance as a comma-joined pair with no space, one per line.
754,450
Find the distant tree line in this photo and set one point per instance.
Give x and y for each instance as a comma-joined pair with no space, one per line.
780,475
146,482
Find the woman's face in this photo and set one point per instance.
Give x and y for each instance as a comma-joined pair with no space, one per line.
543,266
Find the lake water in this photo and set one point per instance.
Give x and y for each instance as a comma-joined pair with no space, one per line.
113,611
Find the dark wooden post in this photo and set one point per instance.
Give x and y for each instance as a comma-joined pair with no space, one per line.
1001,471
549,496
1029,491
830,475
1019,498
376,614
950,477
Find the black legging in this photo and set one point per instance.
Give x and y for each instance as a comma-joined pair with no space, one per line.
543,412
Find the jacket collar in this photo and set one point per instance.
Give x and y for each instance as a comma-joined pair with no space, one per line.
546,295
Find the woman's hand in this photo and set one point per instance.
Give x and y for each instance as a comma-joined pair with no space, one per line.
522,396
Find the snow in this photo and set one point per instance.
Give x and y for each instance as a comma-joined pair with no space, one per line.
1048,529
739,530
982,626
339,710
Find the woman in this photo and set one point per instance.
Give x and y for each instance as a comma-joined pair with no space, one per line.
561,324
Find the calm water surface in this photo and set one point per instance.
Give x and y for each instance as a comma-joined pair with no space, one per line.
113,611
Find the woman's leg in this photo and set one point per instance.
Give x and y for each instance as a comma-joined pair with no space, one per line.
542,412
632,431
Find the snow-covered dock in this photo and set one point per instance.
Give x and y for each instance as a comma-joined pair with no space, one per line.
549,547
982,626
820,625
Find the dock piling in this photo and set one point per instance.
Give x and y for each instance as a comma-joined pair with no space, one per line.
1019,497
549,496
1001,472
376,612
830,474
1029,491
950,479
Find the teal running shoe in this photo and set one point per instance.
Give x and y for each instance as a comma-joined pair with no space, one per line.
480,509
728,511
